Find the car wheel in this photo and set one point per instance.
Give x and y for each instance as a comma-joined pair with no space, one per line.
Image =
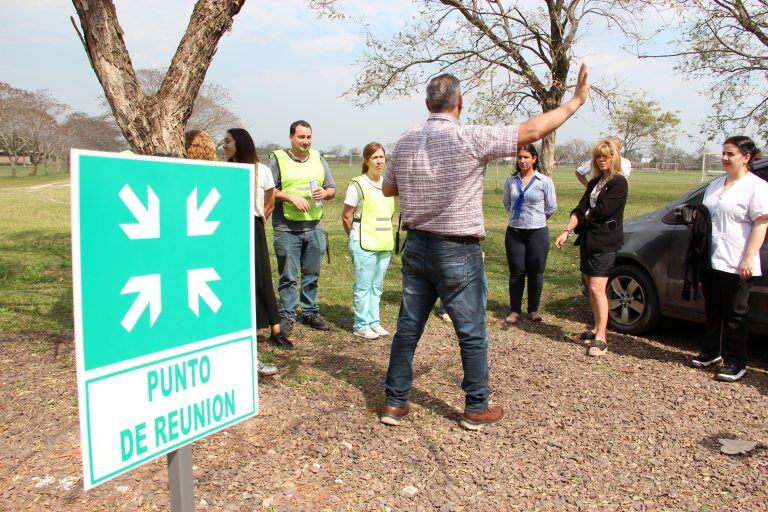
633,304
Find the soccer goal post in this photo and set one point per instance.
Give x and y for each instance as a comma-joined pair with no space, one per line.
711,165
666,166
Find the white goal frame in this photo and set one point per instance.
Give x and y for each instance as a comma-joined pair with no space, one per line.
666,166
711,165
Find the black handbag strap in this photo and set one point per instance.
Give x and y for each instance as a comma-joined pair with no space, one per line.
399,249
327,247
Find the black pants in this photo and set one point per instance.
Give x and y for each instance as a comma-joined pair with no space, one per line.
726,306
527,251
267,313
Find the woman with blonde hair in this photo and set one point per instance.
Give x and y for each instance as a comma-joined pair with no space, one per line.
198,145
367,219
598,220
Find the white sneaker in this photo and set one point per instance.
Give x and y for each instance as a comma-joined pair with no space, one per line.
266,370
366,333
378,329
446,318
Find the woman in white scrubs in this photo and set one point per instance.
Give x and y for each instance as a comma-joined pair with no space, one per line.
738,205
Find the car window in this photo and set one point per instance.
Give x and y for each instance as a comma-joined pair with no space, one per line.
697,199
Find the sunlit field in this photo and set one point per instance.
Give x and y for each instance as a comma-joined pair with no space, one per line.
35,261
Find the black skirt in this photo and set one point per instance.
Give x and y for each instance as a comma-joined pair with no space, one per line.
267,313
597,264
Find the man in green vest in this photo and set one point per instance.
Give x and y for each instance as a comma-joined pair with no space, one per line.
302,182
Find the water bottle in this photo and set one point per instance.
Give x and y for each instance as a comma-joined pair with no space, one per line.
313,186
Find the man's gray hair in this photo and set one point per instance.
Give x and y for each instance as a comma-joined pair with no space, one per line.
443,93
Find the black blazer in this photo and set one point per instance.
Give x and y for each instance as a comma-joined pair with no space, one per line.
603,230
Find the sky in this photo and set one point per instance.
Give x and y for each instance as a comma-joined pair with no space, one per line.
281,63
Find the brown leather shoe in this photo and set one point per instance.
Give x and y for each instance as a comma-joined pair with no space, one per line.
512,318
393,415
475,421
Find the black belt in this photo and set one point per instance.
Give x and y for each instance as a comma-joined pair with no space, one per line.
457,239
526,230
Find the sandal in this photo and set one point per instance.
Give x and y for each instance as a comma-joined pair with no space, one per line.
597,348
585,337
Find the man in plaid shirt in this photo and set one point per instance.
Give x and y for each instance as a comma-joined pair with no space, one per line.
437,169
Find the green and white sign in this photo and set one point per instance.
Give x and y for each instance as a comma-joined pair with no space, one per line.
162,256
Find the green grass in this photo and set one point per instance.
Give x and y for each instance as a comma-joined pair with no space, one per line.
23,178
35,254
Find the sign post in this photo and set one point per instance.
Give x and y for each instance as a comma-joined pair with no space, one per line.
162,255
181,484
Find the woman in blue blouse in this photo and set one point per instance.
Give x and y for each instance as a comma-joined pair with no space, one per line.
530,198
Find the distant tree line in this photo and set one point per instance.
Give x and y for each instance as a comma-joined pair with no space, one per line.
577,151
36,127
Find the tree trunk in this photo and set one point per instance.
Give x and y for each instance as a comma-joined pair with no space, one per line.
553,98
12,159
548,154
153,123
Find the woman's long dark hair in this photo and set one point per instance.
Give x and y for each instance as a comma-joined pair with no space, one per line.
535,154
746,147
245,149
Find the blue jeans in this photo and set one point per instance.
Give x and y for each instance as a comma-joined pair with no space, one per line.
370,267
453,271
294,248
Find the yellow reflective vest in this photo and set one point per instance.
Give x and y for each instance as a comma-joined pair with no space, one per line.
295,178
375,217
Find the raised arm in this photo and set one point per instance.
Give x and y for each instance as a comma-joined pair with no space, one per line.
537,127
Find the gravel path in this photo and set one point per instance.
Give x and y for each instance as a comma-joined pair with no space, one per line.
635,430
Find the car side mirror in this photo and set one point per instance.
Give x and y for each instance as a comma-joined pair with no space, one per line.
684,214
680,215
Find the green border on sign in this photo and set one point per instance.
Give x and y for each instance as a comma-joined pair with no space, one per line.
147,458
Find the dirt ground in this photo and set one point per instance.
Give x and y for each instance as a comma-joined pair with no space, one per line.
636,430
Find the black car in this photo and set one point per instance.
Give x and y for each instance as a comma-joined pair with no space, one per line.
647,280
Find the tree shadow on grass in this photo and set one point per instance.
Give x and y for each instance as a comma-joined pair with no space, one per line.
547,330
340,316
369,378
392,296
35,279
664,344
682,338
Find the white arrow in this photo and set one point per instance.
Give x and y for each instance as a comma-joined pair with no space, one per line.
149,217
197,288
148,288
197,225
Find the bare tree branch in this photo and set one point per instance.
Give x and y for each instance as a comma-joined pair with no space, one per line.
515,56
725,42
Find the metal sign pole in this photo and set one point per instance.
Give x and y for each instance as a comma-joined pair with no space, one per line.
181,485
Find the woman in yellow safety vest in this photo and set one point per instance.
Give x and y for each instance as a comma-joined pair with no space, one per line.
367,219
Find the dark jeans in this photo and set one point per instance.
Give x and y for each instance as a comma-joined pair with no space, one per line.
527,251
453,271
296,250
726,306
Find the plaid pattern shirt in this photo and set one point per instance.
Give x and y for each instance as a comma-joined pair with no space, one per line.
438,168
